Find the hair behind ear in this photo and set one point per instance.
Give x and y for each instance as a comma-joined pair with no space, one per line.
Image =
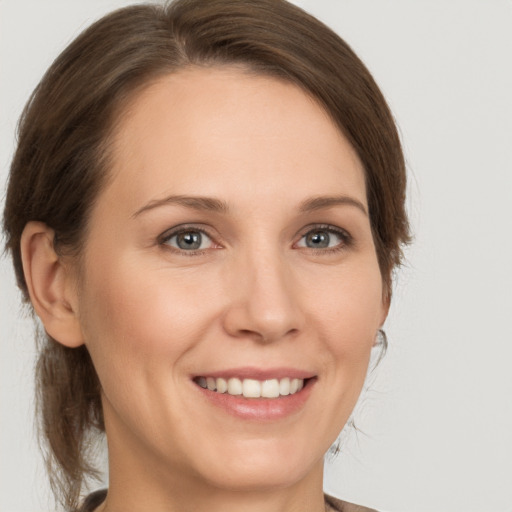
64,364
66,417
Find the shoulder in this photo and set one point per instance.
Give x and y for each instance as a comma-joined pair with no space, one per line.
336,505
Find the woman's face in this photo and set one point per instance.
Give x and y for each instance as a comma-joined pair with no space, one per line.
232,248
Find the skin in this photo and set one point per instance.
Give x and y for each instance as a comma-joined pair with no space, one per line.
152,315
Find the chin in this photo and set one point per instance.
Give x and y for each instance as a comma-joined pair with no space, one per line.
263,465
257,479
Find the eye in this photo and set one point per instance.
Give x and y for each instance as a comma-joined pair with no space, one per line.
188,240
324,237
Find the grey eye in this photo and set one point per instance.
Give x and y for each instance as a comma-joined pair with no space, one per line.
318,239
191,240
322,239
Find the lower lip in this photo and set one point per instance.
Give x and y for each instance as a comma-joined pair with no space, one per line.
260,409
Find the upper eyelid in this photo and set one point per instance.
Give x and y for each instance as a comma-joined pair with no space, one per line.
326,227
206,230
183,228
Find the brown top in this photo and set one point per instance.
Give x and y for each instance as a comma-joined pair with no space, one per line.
336,505
331,504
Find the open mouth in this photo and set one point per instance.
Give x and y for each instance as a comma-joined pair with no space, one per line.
252,388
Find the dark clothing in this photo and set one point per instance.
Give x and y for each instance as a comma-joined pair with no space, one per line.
335,505
331,504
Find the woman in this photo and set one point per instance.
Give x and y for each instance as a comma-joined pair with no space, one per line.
204,210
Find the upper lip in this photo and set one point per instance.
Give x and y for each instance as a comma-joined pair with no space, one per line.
248,372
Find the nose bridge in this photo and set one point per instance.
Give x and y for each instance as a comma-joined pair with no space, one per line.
264,304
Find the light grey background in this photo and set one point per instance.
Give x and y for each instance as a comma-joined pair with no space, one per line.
438,418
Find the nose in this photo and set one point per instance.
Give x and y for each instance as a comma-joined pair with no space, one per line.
264,300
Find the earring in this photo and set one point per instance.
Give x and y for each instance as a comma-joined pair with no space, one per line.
381,346
382,340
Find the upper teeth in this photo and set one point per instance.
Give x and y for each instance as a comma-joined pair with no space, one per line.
251,388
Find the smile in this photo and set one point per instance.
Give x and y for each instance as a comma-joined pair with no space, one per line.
257,394
252,388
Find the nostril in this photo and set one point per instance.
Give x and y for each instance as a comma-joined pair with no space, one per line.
263,316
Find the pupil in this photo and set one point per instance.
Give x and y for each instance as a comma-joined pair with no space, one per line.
318,239
190,240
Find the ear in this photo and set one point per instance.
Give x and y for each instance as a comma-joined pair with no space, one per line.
50,284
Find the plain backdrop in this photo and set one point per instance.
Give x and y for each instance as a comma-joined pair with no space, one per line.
437,419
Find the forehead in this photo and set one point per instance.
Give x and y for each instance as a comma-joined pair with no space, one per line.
205,127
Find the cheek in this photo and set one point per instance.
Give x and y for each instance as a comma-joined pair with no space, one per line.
347,319
133,316
139,328
351,309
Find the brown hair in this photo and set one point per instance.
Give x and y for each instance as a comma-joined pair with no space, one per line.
62,158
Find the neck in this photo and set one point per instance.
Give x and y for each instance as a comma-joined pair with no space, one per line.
144,497
142,486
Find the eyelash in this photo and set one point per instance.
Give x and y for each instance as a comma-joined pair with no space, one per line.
163,240
345,237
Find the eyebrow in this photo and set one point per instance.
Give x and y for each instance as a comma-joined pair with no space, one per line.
198,203
323,202
211,204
